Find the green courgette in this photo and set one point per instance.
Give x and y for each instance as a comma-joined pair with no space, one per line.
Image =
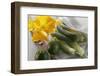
68,28
83,37
61,37
80,36
53,47
42,55
79,50
66,48
71,35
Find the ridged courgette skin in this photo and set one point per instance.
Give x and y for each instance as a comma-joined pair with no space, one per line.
67,28
66,48
80,36
42,55
53,47
61,37
71,35
79,50
83,37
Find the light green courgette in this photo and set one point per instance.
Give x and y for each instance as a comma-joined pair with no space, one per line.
79,50
66,48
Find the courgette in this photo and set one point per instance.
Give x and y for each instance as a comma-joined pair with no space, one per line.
71,35
83,37
79,50
68,28
42,55
61,37
66,48
53,47
80,36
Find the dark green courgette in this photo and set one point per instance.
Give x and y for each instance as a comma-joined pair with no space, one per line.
53,47
80,36
61,37
71,35
42,55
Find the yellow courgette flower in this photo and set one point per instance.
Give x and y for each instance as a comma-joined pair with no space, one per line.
41,27
39,35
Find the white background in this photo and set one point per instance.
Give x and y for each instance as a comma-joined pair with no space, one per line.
5,42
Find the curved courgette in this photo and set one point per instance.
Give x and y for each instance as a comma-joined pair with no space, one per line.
79,50
42,55
53,47
66,48
68,28
80,36
83,38
71,35
61,37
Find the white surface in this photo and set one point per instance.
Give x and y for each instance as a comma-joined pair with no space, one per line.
5,50
25,64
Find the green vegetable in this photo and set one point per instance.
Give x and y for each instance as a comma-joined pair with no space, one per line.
79,50
71,35
66,48
53,47
68,28
65,39
83,37
61,37
42,55
80,36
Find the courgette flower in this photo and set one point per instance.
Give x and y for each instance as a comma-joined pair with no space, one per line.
41,27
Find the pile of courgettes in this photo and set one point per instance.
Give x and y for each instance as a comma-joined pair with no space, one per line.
65,39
